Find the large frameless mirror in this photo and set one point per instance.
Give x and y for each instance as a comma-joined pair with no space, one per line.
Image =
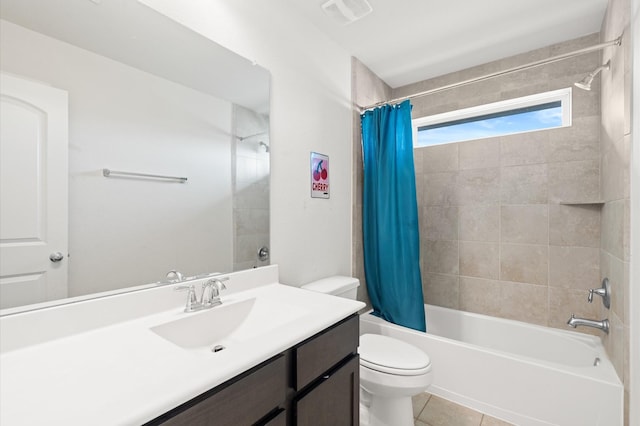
130,146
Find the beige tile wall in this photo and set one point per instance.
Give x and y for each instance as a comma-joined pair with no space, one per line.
495,238
615,145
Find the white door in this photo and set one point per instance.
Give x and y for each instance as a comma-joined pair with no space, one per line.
33,192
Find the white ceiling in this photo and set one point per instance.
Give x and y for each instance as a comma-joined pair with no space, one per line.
405,41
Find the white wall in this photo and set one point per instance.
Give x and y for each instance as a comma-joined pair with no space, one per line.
310,111
122,231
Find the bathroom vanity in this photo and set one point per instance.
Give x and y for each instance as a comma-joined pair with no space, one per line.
289,357
313,383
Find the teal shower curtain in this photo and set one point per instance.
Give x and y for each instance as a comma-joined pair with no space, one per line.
390,217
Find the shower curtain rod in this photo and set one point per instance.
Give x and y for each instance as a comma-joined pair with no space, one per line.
552,59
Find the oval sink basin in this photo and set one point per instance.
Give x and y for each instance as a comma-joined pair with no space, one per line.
228,323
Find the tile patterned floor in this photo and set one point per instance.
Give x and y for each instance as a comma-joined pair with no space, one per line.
430,410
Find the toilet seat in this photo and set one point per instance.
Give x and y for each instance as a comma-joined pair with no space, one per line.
388,355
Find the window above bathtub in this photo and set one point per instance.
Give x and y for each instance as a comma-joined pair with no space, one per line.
526,114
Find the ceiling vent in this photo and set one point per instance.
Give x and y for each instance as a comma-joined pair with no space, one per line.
346,11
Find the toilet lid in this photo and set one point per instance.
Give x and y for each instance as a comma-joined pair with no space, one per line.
389,355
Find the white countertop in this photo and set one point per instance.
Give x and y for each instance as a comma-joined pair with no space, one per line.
125,374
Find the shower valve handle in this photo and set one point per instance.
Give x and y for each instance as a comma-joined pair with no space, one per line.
604,292
598,291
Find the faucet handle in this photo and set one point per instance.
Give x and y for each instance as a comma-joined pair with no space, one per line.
192,299
604,292
218,283
217,286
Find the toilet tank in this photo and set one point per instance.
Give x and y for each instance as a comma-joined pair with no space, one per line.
337,285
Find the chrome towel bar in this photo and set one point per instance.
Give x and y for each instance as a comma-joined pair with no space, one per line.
109,173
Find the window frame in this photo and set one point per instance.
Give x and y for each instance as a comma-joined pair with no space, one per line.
562,95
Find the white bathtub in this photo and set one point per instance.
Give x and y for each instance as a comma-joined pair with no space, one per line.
522,373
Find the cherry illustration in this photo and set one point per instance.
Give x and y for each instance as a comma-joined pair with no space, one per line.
319,172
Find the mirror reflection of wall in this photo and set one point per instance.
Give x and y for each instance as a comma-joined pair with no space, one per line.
132,231
126,231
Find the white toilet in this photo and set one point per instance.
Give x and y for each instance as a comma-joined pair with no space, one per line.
391,371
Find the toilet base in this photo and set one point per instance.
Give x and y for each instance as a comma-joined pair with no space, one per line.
385,411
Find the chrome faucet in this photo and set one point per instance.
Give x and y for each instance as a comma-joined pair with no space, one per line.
602,325
209,298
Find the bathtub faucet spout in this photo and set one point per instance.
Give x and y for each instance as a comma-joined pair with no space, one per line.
602,325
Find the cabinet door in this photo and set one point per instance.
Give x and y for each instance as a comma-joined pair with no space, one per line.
335,401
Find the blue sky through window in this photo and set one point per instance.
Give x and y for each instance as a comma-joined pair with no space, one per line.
544,116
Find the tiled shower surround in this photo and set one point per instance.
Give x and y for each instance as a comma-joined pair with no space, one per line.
496,236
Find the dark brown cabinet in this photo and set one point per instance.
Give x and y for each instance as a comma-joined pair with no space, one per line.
334,401
313,383
327,377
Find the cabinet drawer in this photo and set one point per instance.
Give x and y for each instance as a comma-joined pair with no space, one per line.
334,401
323,351
241,402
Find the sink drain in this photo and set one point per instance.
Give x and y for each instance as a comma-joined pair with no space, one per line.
217,348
